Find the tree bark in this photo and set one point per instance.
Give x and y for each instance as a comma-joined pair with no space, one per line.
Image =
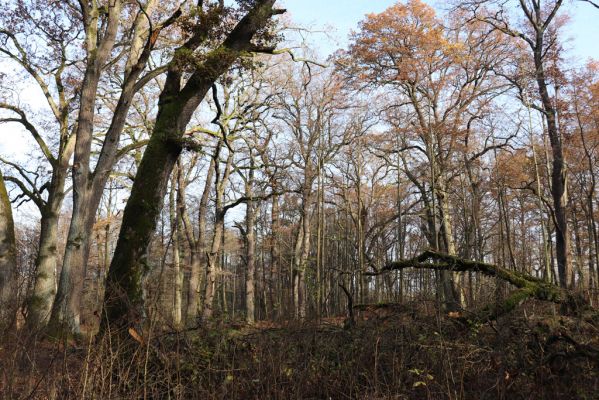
65,310
527,286
303,249
8,261
39,304
198,250
123,300
276,274
89,186
559,192
219,229
250,242
175,236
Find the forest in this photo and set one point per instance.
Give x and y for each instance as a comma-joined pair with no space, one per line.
195,202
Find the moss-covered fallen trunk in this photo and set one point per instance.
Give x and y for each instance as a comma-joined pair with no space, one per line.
527,286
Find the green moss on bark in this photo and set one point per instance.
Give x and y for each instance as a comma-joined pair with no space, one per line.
527,286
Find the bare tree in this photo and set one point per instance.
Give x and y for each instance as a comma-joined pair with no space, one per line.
176,105
538,28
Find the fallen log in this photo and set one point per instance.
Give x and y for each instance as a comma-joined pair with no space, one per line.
527,286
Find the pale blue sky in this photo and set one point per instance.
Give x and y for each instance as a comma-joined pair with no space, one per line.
339,17
344,15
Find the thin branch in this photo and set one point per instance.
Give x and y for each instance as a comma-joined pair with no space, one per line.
29,126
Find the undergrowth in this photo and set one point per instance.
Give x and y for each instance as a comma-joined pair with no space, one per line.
529,354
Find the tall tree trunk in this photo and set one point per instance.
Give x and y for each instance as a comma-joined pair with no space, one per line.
198,249
559,191
175,236
8,261
123,300
452,292
66,307
250,243
275,265
219,230
89,188
39,305
296,278
302,264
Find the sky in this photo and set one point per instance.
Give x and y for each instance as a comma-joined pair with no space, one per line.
344,15
336,17
330,22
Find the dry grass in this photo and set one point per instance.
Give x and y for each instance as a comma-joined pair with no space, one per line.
530,354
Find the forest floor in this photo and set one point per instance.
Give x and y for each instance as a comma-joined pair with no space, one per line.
531,353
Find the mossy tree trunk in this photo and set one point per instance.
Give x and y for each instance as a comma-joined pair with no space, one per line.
88,187
123,298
